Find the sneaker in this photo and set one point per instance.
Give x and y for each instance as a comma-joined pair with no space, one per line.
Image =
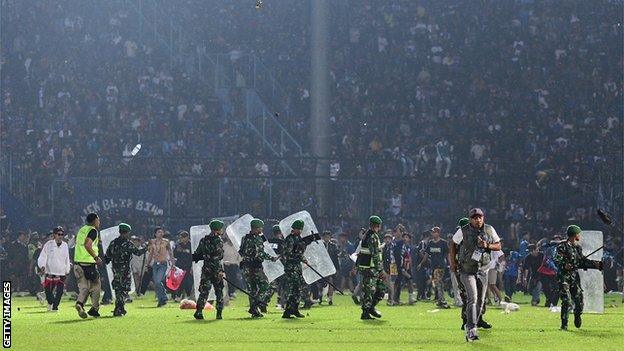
198,315
93,313
117,312
49,308
279,307
564,326
365,315
177,299
54,309
219,314
81,311
355,299
161,304
41,297
330,302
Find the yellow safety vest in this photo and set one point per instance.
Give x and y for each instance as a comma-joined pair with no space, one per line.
81,254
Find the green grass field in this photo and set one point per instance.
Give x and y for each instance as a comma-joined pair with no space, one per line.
336,327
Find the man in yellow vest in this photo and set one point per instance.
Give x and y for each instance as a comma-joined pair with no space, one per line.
85,260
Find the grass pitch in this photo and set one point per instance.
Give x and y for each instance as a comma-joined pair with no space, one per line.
336,327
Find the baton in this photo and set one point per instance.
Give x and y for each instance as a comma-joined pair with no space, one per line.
241,289
325,280
593,252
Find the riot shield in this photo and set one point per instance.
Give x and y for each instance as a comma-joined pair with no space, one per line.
197,233
107,236
315,252
238,229
592,280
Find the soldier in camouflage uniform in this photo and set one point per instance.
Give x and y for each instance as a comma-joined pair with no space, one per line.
370,266
568,259
292,257
252,254
120,252
210,249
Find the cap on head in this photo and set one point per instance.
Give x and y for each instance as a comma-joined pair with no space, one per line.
91,217
374,220
183,233
58,229
435,229
215,224
388,235
124,228
256,223
475,212
573,230
298,224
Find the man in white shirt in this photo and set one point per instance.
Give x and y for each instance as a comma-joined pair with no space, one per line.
476,241
54,263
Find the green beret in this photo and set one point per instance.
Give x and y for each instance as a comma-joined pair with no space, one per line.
216,224
374,220
124,227
277,229
298,224
256,223
573,230
462,222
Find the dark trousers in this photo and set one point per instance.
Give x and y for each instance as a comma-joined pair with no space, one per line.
147,278
421,283
510,285
550,289
54,287
108,294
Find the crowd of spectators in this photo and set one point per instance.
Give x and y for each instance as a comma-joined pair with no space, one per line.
435,106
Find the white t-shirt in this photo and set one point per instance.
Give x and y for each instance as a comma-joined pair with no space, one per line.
494,255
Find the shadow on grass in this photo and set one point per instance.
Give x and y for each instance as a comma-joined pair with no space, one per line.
34,312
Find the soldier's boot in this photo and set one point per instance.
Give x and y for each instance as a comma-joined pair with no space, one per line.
297,314
263,308
117,312
355,299
577,320
564,324
198,314
365,315
219,316
287,313
373,312
483,324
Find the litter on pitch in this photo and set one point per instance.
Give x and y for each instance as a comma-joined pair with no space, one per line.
191,305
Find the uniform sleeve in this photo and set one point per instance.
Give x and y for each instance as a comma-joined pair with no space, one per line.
260,250
458,237
43,256
287,249
200,251
130,247
560,257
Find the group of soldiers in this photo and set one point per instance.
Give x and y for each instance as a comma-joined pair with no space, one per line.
470,250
